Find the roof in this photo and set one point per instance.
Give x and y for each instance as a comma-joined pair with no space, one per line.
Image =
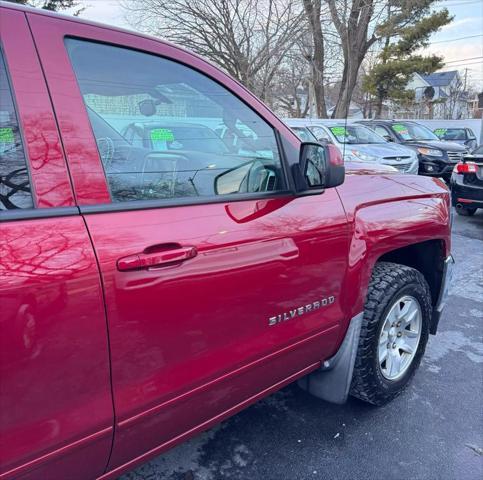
62,16
385,121
313,122
439,79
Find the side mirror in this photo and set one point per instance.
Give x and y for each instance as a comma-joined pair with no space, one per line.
319,167
388,138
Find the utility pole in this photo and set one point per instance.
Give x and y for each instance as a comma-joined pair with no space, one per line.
464,91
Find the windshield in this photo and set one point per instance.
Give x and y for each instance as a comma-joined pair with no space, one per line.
451,133
304,134
413,131
355,134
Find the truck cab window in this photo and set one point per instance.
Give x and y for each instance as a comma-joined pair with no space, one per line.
15,189
165,130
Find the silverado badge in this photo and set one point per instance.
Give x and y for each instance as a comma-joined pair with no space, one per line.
299,311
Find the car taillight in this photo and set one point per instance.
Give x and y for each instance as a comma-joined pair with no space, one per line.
335,157
469,167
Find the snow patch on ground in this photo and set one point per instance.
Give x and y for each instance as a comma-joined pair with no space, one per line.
453,341
468,274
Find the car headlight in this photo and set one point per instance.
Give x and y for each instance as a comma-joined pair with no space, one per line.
432,152
364,156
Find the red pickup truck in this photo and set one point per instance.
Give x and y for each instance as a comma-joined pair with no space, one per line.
157,277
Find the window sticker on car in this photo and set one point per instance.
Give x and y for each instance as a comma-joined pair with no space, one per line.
339,131
161,135
440,131
6,135
401,130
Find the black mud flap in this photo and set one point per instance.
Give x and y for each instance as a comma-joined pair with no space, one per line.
332,382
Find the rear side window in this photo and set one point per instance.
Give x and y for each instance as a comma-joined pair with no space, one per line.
15,189
165,130
320,133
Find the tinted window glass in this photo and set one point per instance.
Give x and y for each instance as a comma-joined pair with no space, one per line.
451,133
355,134
14,178
165,130
413,131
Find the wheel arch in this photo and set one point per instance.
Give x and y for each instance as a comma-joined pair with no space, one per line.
427,257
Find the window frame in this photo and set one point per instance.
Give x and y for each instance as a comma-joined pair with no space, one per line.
470,134
386,131
129,205
50,182
23,141
328,135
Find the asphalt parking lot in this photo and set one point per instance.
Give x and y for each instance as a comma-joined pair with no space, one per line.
433,431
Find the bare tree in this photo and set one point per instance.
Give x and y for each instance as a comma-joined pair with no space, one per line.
456,105
316,55
352,20
292,91
247,38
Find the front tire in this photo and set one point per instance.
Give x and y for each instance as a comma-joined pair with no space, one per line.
394,333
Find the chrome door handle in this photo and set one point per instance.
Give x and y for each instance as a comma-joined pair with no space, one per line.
155,257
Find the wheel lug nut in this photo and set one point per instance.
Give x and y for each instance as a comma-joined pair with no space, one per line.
393,345
399,334
398,324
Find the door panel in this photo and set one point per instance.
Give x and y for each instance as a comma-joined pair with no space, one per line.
175,328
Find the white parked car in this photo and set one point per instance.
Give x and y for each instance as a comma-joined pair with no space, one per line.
359,143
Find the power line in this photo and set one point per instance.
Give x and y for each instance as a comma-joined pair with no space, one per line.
444,4
459,38
464,59
464,65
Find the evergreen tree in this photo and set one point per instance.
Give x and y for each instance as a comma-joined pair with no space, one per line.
408,27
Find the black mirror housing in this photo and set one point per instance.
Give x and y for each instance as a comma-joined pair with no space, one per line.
319,167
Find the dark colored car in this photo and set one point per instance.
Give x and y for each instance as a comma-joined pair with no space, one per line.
462,135
467,184
436,158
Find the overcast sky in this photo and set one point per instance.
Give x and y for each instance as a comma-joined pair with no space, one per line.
459,53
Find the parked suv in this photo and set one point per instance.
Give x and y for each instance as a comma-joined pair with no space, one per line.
358,143
436,158
146,292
